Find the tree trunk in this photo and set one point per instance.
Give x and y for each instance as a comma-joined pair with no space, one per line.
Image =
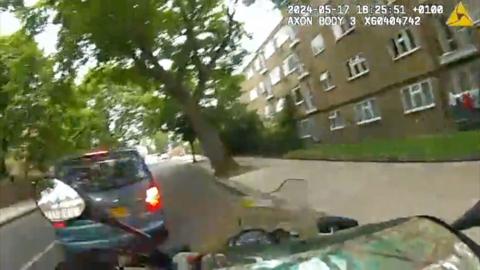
210,140
3,157
192,148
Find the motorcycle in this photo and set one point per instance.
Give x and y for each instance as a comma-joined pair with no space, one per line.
340,243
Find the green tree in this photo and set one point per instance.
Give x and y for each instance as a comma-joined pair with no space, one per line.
41,117
161,141
180,48
282,134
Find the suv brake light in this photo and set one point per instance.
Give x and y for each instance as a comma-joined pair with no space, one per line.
153,198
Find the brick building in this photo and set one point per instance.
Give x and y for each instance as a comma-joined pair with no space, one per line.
355,82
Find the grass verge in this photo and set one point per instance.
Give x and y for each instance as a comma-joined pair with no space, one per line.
444,147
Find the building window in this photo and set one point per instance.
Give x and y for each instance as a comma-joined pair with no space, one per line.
305,128
343,29
418,97
269,49
259,63
367,111
280,105
250,73
357,66
455,42
297,96
446,35
283,35
292,33
465,79
309,100
318,44
336,120
290,64
403,44
262,90
266,88
253,94
276,75
326,81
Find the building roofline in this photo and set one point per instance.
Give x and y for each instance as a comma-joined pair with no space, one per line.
264,42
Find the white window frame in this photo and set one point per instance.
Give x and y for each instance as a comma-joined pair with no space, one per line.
249,73
416,89
253,94
292,32
472,78
309,98
267,87
260,64
295,93
269,49
282,35
276,75
280,105
262,90
301,71
257,64
332,117
407,38
268,110
359,61
286,64
326,80
340,31
460,44
317,44
371,103
305,128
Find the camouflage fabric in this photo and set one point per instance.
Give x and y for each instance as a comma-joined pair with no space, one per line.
416,243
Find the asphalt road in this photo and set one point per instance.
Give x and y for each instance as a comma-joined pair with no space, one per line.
200,213
28,243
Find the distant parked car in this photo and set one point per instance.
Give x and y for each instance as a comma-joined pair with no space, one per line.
164,156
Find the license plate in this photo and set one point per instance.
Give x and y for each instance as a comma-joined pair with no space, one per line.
119,212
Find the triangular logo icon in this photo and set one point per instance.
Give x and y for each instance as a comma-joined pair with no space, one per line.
460,17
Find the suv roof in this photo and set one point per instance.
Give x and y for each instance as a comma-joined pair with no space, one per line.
77,156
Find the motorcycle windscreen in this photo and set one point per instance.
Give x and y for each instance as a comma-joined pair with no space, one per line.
418,243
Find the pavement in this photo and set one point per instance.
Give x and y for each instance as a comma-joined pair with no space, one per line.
7,214
373,192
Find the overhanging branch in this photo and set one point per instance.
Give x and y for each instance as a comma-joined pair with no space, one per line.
205,72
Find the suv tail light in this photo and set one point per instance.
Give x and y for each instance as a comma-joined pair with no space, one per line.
153,198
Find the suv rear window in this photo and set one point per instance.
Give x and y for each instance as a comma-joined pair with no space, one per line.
103,171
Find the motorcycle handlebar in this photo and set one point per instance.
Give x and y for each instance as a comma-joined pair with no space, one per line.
470,219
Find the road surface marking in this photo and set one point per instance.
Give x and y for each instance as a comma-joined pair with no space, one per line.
37,257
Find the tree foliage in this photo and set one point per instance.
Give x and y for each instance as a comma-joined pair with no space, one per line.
181,48
41,117
161,141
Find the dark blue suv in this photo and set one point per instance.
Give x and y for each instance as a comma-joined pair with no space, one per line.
120,182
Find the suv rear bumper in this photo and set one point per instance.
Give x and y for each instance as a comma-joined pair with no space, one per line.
125,240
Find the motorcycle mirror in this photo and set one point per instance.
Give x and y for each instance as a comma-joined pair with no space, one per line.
332,224
58,201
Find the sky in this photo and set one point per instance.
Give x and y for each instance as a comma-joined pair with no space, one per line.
259,19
